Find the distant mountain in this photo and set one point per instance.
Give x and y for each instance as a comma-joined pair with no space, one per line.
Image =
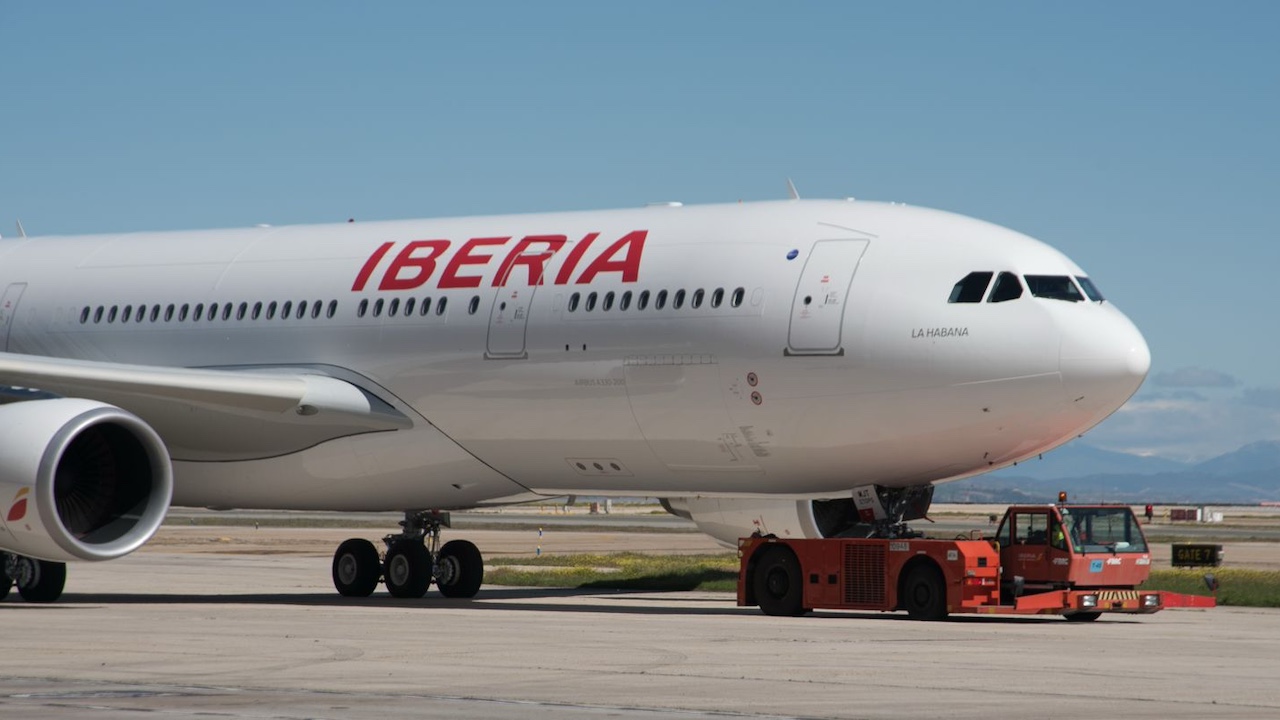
1076,459
1248,475
1254,457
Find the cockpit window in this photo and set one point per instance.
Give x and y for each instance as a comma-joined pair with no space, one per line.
1007,288
1054,287
1089,288
971,288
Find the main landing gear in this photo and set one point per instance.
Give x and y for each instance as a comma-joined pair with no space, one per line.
37,580
414,559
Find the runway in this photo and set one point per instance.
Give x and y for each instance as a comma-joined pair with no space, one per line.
246,633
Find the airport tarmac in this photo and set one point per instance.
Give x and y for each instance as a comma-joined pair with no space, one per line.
232,625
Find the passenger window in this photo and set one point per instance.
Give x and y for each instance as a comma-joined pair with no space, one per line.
971,288
285,310
226,312
678,300
474,305
394,308
1053,287
377,307
408,306
84,315
111,316
660,301
717,297
97,315
624,302
1007,288
128,309
591,302
738,294
168,313
696,300
608,301
642,301
440,305
271,310
333,308
363,308
1089,288
240,312
573,302
257,311
426,306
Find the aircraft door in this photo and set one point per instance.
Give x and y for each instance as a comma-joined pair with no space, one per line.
817,311
509,317
9,310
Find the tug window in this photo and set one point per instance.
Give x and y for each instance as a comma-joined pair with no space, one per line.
1053,287
971,288
1007,288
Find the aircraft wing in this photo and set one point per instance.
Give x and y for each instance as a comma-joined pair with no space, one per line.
216,414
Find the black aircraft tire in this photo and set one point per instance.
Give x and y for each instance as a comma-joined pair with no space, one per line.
356,568
1083,616
924,596
407,573
47,580
777,583
465,571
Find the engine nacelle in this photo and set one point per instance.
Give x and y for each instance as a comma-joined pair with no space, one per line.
79,480
727,519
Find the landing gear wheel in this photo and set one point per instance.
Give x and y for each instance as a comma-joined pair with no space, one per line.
1083,616
924,596
40,580
6,582
356,568
777,583
459,569
408,569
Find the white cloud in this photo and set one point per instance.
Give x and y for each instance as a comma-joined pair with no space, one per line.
1188,377
1188,427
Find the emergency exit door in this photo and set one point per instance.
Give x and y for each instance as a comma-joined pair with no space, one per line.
9,311
817,312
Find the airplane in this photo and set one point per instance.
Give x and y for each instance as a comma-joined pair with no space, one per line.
803,368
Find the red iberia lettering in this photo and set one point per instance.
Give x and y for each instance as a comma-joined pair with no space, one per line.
420,268
575,255
450,277
363,276
629,265
534,262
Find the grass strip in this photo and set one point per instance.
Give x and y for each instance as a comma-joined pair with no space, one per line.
1236,586
618,571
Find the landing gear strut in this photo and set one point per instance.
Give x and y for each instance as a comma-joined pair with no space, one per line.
414,559
874,512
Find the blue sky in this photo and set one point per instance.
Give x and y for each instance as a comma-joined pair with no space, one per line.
1140,138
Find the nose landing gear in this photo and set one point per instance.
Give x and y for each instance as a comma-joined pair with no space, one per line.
414,559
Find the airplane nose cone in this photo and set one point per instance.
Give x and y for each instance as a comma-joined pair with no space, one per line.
1103,358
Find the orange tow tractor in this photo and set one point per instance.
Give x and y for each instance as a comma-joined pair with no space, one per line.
1079,561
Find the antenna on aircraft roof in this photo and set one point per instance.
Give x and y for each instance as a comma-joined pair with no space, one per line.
22,233
791,189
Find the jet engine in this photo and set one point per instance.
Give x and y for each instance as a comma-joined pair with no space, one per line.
79,480
727,519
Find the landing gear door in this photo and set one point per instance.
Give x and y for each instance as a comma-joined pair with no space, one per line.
9,311
817,311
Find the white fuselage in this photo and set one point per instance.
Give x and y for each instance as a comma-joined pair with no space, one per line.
814,349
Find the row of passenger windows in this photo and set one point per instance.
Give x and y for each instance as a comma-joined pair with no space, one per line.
409,306
696,298
213,311
973,287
